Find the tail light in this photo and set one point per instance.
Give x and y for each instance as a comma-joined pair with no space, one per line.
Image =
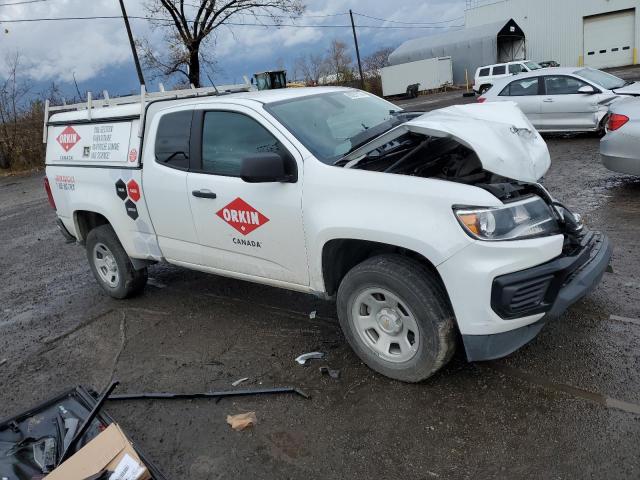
47,189
616,121
481,99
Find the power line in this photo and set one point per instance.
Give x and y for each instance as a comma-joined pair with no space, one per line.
408,23
22,2
238,24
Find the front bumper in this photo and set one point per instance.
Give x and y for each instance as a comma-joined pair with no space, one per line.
547,290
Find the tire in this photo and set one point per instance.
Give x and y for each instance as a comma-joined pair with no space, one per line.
111,265
422,304
484,89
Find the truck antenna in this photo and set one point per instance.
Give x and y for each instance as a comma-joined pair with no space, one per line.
212,84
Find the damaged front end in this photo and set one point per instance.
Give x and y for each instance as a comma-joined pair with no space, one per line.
494,147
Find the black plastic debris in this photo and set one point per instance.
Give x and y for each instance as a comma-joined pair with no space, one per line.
32,443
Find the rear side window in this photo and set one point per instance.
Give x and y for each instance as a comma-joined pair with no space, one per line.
172,139
228,137
484,72
559,85
499,70
521,88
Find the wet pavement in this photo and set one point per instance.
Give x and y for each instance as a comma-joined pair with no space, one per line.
565,406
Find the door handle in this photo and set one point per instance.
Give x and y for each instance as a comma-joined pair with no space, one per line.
548,100
203,194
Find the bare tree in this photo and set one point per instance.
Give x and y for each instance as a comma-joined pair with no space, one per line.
312,67
13,92
375,62
191,25
339,61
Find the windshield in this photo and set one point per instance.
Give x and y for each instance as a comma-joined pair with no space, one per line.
603,79
532,65
331,124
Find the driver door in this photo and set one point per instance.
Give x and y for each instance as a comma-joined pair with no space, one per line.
564,108
244,229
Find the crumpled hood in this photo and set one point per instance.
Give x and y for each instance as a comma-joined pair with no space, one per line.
498,132
632,89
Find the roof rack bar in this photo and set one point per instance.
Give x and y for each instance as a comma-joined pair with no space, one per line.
89,105
46,119
143,99
143,109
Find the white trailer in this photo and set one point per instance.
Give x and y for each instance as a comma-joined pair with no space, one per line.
429,74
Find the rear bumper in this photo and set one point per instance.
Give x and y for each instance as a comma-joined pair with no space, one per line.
548,289
630,166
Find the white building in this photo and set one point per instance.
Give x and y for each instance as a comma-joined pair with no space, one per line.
597,33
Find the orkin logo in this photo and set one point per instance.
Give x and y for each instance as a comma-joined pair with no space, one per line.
242,216
68,138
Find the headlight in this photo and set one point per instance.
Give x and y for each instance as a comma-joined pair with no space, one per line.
526,218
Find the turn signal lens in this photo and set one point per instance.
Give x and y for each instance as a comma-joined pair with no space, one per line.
481,99
616,121
471,222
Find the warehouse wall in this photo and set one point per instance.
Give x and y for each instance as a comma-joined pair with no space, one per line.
554,28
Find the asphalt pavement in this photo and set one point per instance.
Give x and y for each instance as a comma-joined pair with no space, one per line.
565,406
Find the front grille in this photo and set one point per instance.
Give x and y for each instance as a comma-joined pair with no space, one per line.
528,295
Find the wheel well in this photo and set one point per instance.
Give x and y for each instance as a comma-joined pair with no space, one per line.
87,221
341,255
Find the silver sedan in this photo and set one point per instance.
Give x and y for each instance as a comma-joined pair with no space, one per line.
620,147
562,99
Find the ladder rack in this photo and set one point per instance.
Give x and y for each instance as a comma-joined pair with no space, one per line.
145,97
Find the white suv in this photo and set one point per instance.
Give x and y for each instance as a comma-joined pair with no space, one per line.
486,75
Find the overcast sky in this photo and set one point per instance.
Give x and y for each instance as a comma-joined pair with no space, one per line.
97,51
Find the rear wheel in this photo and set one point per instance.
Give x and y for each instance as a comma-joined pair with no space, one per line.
111,265
484,89
396,317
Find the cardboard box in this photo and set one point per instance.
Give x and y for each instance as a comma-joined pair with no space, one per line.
106,451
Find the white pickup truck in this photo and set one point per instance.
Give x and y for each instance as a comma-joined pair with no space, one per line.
429,230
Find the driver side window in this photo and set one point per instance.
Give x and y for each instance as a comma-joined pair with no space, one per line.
228,137
561,85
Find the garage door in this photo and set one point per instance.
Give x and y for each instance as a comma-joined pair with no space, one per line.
609,39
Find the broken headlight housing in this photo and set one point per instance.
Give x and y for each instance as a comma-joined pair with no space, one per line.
527,218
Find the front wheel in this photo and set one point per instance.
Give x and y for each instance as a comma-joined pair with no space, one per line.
111,265
396,317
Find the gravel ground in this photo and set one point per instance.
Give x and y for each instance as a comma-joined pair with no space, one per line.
565,406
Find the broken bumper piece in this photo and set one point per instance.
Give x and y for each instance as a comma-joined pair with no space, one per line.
549,289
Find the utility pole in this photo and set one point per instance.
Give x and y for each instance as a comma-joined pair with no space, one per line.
131,42
355,39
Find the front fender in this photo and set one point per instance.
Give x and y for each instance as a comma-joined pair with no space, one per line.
408,212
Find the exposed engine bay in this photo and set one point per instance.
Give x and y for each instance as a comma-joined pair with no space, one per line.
446,159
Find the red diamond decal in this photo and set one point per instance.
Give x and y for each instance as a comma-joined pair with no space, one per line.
134,190
68,138
242,216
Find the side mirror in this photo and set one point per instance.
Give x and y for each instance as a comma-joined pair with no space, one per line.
587,90
268,167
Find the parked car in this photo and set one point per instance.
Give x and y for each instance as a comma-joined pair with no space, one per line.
423,227
548,63
620,147
563,99
485,76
